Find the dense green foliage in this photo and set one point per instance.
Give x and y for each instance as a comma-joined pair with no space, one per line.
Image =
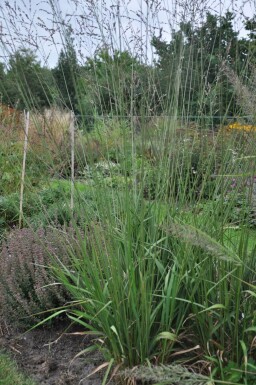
200,54
25,83
66,74
119,83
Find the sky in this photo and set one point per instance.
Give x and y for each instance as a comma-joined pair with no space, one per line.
125,24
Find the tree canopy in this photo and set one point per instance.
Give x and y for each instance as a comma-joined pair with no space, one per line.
188,73
25,83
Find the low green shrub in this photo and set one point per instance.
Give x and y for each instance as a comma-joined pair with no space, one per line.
55,206
34,202
11,158
51,205
9,207
105,174
104,143
243,199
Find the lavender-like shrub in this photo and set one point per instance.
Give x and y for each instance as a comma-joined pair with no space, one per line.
27,286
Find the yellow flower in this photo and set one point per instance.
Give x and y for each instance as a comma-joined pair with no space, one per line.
241,127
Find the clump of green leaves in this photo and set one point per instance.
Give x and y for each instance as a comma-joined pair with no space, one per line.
235,373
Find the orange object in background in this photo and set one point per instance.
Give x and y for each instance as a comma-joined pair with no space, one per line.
10,117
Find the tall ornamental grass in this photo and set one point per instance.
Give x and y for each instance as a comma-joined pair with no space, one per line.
155,279
152,272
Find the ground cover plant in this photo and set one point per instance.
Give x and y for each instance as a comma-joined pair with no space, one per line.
9,373
158,187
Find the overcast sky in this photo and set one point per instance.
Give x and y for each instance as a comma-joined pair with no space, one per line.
123,24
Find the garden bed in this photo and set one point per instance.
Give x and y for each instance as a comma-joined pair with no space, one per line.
48,355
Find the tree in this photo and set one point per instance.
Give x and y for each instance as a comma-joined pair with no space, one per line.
250,43
26,84
250,25
2,82
116,84
190,66
66,74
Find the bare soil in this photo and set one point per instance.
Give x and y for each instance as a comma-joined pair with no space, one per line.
48,355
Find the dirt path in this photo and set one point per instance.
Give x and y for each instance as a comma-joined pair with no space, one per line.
48,356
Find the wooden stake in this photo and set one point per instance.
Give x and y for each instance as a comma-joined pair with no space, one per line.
26,122
72,142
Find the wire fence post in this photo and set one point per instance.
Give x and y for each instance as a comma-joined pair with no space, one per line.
26,123
72,142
